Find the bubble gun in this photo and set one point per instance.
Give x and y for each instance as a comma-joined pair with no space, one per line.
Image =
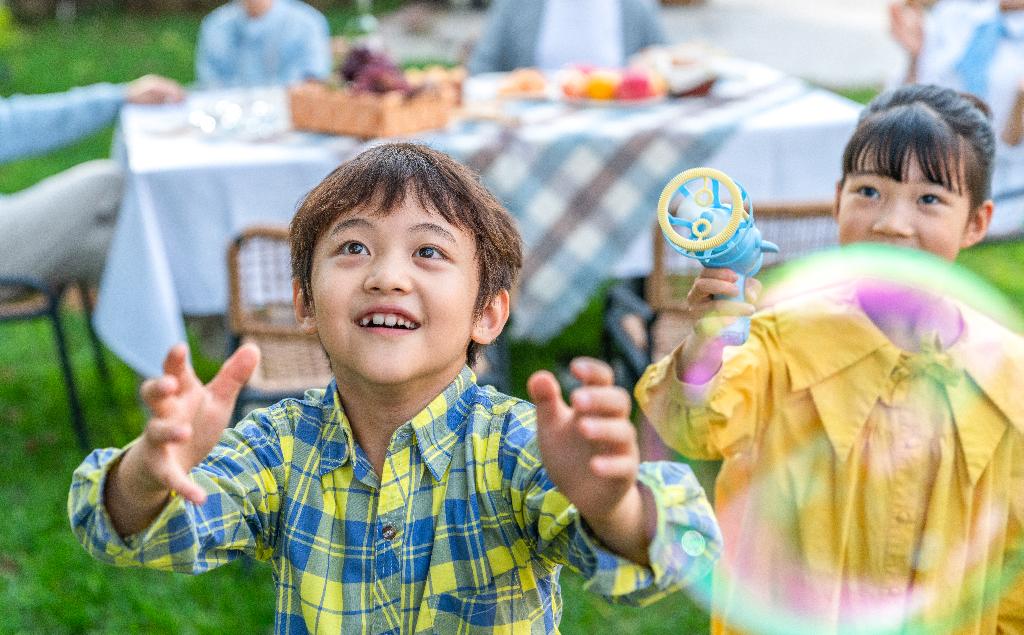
707,216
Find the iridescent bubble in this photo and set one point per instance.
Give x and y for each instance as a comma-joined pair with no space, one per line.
873,435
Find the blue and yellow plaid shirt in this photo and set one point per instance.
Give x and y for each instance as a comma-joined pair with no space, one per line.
463,532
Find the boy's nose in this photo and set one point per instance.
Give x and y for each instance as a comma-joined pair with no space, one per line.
386,276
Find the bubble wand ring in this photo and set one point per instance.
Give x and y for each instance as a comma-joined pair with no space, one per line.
702,244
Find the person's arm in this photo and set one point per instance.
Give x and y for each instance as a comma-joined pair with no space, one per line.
677,394
906,24
648,29
211,67
188,419
1013,134
129,507
34,124
488,53
625,521
319,54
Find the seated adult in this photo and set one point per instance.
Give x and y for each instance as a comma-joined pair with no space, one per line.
262,43
975,46
549,34
57,231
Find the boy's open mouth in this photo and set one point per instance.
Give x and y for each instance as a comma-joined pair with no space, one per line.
388,320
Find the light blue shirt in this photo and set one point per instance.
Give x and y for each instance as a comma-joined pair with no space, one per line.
289,43
580,32
512,36
34,124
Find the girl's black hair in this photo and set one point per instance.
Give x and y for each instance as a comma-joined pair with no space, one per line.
947,132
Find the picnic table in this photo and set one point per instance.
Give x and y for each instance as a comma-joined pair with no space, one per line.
582,181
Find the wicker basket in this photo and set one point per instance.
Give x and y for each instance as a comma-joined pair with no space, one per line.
320,108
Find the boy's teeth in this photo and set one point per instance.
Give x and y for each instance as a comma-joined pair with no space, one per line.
387,319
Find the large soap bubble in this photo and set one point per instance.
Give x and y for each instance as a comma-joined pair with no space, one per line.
873,478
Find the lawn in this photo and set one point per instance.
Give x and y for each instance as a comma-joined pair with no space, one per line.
47,582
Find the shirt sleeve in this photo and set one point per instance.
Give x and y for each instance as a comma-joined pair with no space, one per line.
487,56
210,71
244,479
711,421
34,124
315,62
685,547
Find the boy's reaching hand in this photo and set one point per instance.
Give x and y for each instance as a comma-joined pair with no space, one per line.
188,419
589,449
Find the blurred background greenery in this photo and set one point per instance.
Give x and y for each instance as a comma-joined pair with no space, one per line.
47,582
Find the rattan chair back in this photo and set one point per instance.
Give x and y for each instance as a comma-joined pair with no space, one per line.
260,311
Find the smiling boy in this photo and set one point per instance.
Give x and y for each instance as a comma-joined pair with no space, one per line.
403,498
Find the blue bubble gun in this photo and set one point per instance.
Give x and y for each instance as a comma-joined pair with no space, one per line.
718,233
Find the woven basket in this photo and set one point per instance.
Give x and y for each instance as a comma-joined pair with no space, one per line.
319,108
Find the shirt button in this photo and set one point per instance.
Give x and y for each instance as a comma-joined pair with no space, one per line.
388,532
903,517
693,543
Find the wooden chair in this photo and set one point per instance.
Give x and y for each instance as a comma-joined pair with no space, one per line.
23,298
260,312
641,327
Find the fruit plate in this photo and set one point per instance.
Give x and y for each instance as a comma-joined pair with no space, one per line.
584,102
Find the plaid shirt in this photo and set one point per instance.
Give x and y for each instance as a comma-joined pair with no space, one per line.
463,532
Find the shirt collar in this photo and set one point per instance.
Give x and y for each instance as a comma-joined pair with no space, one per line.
829,344
437,427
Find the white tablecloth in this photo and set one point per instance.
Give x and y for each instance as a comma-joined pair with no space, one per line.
188,194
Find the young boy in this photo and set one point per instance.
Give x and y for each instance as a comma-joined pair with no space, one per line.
404,498
871,432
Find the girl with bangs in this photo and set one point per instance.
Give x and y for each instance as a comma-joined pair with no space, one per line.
871,431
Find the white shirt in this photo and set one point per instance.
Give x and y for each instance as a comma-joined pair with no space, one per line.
949,27
580,32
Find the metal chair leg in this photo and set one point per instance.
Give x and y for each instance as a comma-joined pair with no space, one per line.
97,346
77,418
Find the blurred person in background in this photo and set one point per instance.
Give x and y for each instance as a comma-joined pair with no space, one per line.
262,43
975,46
554,33
57,231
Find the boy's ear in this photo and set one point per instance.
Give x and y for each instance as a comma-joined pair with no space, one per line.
303,311
489,324
977,225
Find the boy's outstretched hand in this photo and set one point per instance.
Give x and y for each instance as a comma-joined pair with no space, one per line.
589,449
188,419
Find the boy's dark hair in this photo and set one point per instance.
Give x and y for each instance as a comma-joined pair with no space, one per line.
949,133
381,177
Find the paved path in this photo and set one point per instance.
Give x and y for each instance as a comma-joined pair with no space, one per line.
837,43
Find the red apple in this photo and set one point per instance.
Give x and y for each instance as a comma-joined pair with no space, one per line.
635,84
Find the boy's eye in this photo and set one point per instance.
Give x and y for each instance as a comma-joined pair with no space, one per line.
867,191
930,199
429,252
353,248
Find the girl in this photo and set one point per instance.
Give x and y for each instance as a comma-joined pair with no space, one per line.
873,458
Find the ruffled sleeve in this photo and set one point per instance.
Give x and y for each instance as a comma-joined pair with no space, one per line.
717,419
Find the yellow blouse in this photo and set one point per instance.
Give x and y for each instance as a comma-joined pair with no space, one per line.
862,488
